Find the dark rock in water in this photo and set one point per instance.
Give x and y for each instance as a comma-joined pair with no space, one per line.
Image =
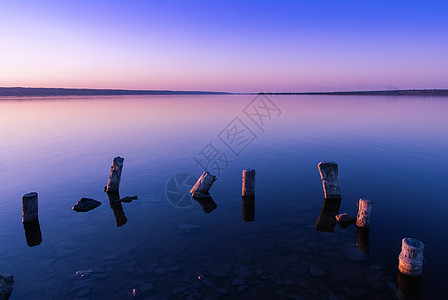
238,281
6,283
178,290
189,228
86,204
223,291
83,273
147,287
242,288
161,271
345,220
128,199
316,271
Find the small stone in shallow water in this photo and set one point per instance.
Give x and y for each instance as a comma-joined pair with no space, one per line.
160,271
178,290
83,292
188,228
128,199
238,281
345,220
86,204
317,271
83,273
242,288
175,268
241,271
146,287
223,291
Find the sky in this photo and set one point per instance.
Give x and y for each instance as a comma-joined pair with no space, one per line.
235,46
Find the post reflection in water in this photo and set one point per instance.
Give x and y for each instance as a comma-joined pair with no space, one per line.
362,239
115,204
248,209
327,220
32,233
408,287
206,202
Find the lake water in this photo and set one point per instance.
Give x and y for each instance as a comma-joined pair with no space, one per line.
391,150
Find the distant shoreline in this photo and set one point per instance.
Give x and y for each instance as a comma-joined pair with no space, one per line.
431,92
35,92
44,92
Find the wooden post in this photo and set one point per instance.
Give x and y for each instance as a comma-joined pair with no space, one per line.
29,207
113,183
362,239
33,234
248,183
327,220
330,179
411,257
248,209
203,184
364,209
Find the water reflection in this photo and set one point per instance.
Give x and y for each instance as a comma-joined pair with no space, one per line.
408,287
248,209
206,202
32,233
327,220
362,239
115,204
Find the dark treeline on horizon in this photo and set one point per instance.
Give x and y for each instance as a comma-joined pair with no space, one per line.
21,91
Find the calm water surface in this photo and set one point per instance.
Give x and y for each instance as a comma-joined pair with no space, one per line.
391,150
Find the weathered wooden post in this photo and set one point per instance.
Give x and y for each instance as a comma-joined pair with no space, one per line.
117,207
248,209
327,220
411,257
206,202
113,183
33,234
248,183
364,209
203,185
29,207
362,239
330,179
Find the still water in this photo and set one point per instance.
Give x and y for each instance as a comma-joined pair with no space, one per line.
391,150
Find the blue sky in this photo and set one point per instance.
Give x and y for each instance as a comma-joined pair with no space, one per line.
225,45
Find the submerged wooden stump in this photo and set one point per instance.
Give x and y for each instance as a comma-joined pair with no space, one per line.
327,220
29,207
411,257
115,204
408,287
362,239
113,183
330,179
33,234
364,209
248,209
248,183
206,202
203,185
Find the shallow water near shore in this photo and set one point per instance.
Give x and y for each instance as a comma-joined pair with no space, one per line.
391,150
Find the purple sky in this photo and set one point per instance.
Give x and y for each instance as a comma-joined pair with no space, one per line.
225,45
